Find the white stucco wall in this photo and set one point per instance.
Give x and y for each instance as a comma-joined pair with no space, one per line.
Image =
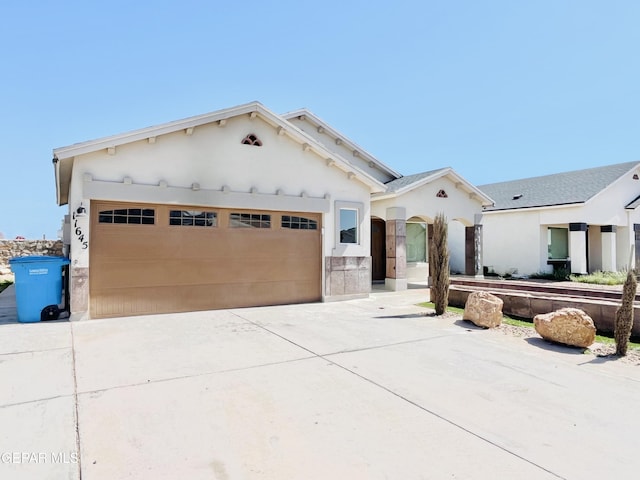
625,238
510,237
512,241
423,204
283,177
456,244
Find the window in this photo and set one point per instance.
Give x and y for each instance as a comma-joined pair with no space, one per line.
348,225
558,243
298,223
249,220
251,139
135,216
442,194
416,242
193,218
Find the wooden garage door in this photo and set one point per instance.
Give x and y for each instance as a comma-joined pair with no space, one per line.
162,258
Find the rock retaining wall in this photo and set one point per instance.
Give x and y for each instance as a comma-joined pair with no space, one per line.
528,305
23,248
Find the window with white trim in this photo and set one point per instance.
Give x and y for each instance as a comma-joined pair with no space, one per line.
350,229
349,225
416,242
558,243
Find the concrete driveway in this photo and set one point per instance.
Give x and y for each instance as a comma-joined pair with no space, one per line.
364,389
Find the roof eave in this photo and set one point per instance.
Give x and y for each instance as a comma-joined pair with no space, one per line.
535,207
64,154
473,190
144,133
334,133
56,173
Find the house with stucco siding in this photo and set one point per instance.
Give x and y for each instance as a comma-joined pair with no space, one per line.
583,221
245,207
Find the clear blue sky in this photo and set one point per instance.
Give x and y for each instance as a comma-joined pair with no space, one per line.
496,89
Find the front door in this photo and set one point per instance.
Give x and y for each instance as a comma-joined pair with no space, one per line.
378,249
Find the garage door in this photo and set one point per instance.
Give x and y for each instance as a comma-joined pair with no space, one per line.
148,259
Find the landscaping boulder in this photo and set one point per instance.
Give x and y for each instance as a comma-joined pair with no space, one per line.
570,326
483,309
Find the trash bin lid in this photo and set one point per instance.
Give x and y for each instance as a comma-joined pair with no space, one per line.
39,259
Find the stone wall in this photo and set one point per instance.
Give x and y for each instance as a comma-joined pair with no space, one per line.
529,304
347,277
23,248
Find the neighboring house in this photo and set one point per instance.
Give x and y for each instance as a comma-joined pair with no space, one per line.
244,207
585,221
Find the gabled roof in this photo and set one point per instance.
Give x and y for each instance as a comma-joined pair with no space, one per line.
63,156
558,189
411,181
635,203
405,184
335,135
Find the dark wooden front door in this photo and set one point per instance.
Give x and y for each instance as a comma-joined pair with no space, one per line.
378,249
469,251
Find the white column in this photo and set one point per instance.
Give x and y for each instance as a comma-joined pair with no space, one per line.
578,247
477,246
608,233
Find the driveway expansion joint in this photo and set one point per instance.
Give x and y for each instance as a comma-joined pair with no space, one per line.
36,400
195,375
407,400
76,415
24,352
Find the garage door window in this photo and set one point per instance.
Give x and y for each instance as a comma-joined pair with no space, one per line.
249,220
193,218
298,223
132,216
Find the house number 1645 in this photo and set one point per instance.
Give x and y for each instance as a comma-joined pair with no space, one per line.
79,233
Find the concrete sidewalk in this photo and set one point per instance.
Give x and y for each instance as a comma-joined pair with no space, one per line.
363,389
37,400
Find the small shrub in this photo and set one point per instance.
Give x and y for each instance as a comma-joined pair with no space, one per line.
4,285
558,274
601,278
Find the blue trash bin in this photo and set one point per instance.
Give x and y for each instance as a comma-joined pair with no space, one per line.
38,283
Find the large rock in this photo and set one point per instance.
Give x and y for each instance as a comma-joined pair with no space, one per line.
483,309
570,326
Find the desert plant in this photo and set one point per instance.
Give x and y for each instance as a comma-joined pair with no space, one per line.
624,315
439,262
559,274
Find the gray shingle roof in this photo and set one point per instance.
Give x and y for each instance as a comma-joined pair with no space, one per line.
402,182
558,189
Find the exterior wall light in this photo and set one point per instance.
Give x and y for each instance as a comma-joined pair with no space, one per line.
81,211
